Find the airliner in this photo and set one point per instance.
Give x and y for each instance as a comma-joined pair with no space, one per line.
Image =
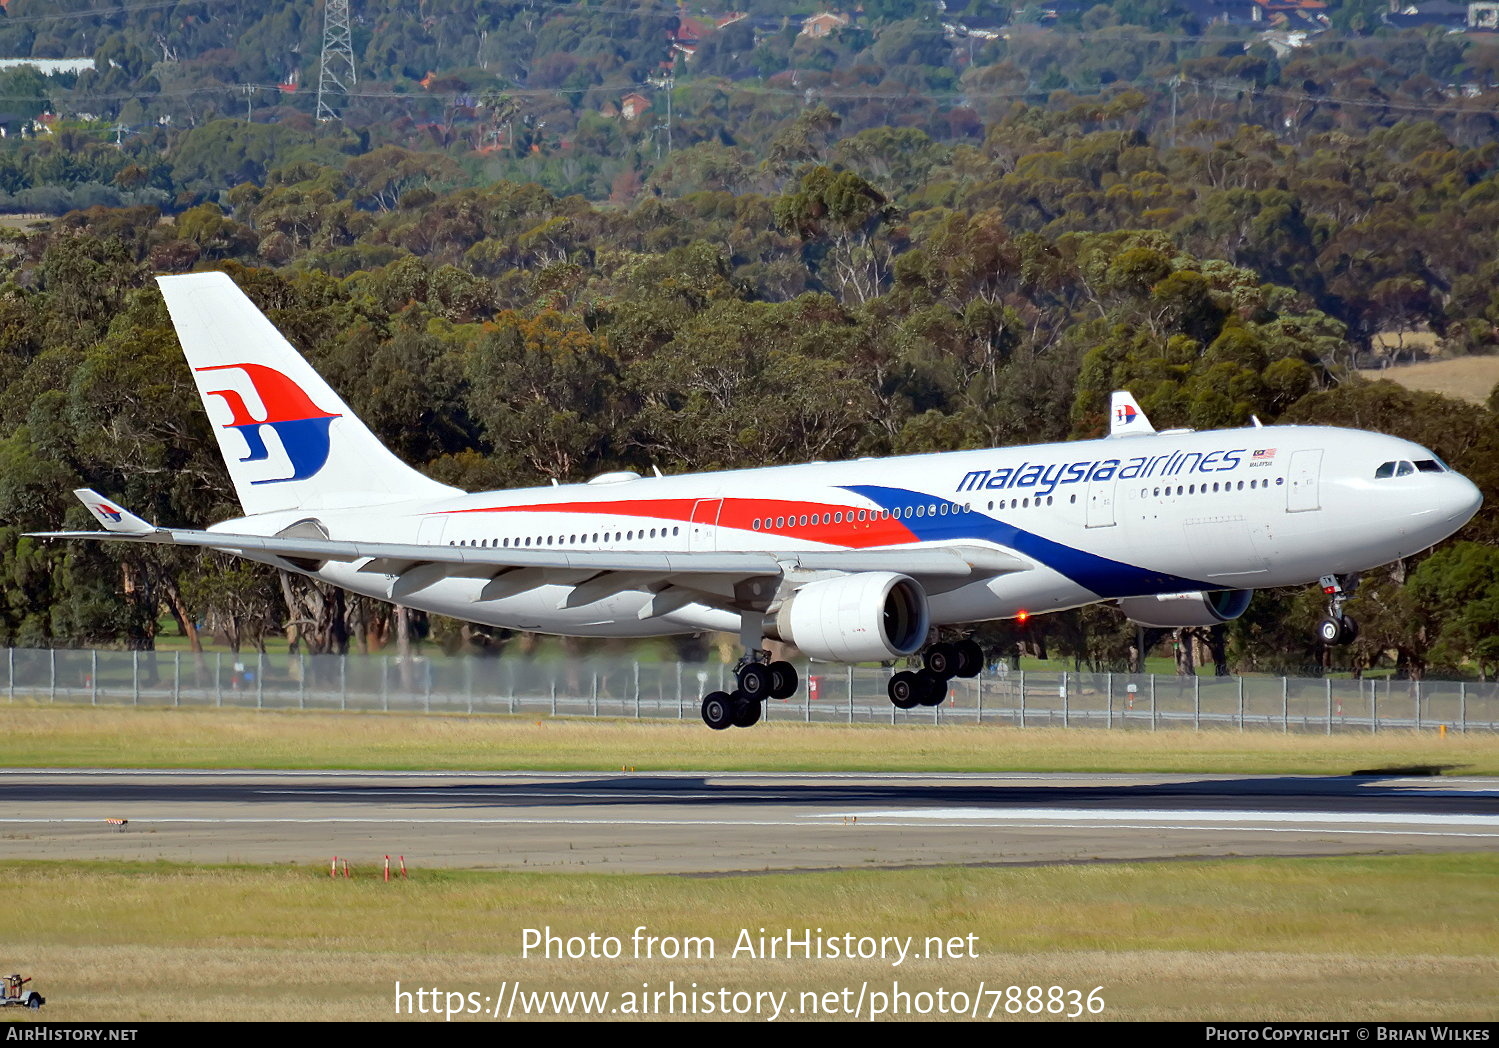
869,560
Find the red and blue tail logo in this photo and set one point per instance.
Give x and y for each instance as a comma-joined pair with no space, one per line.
109,511
1126,414
300,425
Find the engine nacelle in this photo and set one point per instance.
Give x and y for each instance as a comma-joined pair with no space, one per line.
1171,610
873,615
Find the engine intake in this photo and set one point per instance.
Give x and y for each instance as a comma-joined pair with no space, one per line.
1172,610
874,615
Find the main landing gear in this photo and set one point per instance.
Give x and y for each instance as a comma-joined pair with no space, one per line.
940,663
757,679
1337,628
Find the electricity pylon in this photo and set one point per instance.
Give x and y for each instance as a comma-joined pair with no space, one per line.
337,65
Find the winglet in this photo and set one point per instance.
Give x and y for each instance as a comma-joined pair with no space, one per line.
112,516
1125,417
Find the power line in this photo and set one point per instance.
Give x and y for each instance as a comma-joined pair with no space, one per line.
101,13
824,92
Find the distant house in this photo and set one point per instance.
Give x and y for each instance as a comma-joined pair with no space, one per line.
633,105
1296,11
1483,16
821,25
689,31
1429,14
1283,42
1223,12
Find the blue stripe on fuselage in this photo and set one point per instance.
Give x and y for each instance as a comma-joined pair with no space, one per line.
1105,577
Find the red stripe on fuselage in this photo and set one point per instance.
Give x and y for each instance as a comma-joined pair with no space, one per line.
741,515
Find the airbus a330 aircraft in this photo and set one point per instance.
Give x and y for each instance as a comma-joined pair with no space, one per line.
848,561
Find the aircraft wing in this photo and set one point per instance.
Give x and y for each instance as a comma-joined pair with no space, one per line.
945,562
415,566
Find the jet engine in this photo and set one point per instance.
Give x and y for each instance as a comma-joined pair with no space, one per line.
873,615
1170,610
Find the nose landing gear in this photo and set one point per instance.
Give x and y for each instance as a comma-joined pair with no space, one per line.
1337,628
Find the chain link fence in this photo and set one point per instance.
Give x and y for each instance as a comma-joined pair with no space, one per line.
611,686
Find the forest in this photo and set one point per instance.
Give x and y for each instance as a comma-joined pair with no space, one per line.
893,239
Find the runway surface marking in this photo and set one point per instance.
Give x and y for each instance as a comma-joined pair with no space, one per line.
623,793
722,822
1206,821
1148,815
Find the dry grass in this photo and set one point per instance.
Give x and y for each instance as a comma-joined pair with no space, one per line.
24,223
1466,378
144,738
1399,937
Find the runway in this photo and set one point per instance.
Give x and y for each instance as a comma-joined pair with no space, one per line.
713,823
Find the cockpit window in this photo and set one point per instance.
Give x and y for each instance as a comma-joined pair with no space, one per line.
1406,469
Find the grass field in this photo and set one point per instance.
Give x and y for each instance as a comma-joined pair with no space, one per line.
1466,378
1395,937
40,736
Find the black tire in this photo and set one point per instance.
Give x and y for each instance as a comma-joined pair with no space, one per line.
933,688
1349,633
718,710
746,712
755,681
970,658
783,680
942,660
904,690
1329,631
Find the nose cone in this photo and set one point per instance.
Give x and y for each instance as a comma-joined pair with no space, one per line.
1460,499
1434,508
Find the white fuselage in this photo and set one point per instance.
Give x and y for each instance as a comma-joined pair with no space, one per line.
1117,517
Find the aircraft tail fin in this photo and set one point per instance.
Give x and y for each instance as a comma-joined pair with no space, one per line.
289,441
1125,417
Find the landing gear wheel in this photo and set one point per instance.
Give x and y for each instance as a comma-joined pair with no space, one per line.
718,710
942,660
1330,631
1349,632
933,688
755,680
783,680
970,658
746,712
905,690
